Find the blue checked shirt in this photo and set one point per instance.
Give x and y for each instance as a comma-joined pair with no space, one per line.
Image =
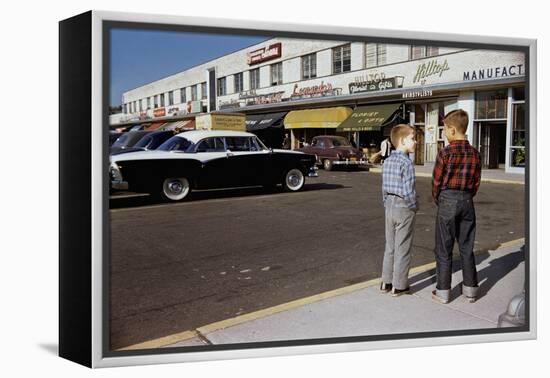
398,178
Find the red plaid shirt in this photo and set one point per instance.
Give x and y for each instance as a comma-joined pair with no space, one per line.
458,167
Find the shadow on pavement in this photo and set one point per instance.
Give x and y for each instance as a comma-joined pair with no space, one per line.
487,277
117,202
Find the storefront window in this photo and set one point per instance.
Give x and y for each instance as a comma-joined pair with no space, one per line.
255,78
419,116
309,66
518,136
376,54
341,59
182,95
519,94
222,86
418,52
491,105
239,82
277,74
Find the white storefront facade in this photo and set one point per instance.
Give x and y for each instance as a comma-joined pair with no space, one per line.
283,75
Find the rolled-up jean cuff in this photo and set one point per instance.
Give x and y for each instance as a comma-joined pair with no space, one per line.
443,294
470,291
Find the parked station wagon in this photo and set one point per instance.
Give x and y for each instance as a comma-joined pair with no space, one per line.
331,150
207,160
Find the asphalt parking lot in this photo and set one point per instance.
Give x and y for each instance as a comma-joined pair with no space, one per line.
225,253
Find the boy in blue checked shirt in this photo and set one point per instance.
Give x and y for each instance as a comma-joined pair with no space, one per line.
399,195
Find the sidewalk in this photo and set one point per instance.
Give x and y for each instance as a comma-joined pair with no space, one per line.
498,176
361,310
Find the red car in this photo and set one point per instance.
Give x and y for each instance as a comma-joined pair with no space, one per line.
331,150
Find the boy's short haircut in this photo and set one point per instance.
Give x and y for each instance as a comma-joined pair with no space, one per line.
400,131
458,119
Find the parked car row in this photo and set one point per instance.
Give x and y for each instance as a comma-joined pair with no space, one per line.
205,160
332,150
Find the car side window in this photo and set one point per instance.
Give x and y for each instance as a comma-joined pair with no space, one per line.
237,144
120,140
211,145
254,146
321,143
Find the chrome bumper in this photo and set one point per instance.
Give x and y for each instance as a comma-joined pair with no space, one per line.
350,162
119,185
117,182
313,172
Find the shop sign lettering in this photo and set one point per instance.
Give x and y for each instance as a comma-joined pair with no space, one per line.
159,112
264,54
418,94
371,86
431,68
494,73
320,90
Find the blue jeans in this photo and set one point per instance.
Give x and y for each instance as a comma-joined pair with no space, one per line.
456,220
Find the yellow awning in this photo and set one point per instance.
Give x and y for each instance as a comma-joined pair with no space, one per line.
317,118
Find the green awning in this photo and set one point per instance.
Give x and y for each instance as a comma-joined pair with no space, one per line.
368,118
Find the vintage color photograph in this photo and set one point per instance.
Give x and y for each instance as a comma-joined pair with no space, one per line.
275,190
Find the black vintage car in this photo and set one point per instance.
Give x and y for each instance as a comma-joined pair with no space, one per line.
208,160
150,141
127,140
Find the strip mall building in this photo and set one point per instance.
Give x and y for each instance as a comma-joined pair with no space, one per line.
305,88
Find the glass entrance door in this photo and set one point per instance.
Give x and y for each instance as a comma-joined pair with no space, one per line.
490,140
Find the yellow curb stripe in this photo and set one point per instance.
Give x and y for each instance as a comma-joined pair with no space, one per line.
486,180
512,243
167,340
495,181
182,336
285,306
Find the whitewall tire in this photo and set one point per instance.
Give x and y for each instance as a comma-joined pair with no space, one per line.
294,180
175,188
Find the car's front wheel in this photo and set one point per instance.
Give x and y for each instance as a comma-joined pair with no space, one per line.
294,180
175,189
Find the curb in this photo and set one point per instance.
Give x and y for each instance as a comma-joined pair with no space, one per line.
486,180
216,326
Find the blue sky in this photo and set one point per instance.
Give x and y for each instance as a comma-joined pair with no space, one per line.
139,57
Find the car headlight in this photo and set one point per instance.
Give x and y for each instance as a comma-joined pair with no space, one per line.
114,172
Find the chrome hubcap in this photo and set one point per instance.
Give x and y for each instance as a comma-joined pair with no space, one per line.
175,187
294,179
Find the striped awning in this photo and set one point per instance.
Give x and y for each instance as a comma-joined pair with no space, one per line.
187,124
154,126
317,118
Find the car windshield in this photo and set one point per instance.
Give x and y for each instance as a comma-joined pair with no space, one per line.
144,142
176,143
121,140
340,142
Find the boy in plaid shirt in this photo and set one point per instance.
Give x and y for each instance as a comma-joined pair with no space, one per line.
456,178
399,195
